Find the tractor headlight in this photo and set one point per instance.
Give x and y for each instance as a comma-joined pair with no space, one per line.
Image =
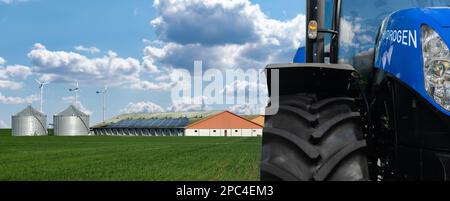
436,67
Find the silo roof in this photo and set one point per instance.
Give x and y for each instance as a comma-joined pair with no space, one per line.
29,111
71,111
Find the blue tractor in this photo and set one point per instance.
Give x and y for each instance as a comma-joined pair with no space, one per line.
367,98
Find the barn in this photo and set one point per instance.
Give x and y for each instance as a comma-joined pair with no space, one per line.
212,123
259,119
150,124
224,124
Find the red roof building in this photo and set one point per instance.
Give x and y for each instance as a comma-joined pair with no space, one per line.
225,124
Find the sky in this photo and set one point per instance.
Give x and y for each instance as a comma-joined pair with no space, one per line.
140,49
135,47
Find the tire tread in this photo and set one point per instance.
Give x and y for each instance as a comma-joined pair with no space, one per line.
316,147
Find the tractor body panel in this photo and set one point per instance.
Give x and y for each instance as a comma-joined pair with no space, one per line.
412,131
409,132
399,47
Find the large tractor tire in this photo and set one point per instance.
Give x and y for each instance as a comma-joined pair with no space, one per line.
314,140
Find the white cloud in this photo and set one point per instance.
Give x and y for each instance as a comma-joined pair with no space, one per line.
248,109
78,104
3,124
238,34
11,76
166,80
111,69
206,22
355,34
365,38
349,29
92,50
61,66
146,41
6,84
149,85
149,61
9,100
188,104
15,71
39,46
142,107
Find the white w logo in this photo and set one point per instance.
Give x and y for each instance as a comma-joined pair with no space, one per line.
387,56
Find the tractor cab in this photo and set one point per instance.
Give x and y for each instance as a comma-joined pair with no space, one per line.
346,31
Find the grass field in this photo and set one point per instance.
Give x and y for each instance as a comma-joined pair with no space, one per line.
128,158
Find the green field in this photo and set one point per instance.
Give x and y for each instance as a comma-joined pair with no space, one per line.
128,158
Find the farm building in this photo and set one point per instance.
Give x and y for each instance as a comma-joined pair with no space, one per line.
259,119
71,122
225,124
150,124
212,123
29,122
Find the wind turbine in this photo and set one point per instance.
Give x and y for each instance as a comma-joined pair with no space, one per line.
76,89
41,87
104,92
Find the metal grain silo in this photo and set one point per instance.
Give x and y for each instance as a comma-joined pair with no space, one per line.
29,122
71,122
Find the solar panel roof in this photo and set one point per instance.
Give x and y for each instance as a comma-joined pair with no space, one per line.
152,123
192,116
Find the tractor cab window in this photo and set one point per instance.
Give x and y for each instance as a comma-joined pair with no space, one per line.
328,23
360,22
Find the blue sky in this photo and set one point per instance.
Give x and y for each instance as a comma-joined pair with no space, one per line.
38,40
137,48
